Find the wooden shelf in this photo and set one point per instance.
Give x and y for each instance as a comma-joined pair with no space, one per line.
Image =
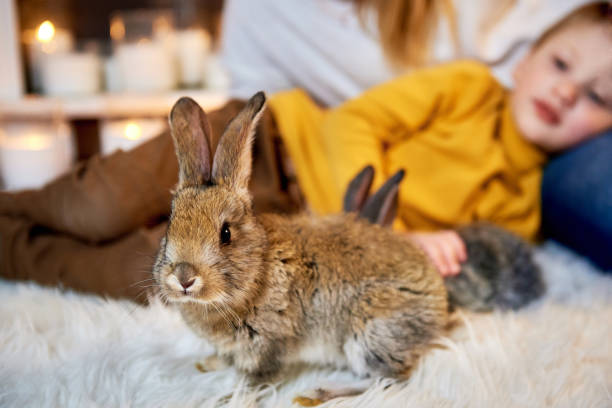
109,105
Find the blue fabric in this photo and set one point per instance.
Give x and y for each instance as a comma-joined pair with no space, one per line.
577,200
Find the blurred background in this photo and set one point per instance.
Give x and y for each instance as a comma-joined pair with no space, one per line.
81,77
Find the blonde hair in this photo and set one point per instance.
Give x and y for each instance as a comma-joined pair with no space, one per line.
595,13
406,27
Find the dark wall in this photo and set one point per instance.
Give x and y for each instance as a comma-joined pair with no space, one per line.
90,19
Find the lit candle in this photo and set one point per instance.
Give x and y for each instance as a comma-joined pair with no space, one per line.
46,40
33,154
144,47
127,134
146,65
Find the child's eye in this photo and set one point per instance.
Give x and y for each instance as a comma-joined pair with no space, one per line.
594,97
560,64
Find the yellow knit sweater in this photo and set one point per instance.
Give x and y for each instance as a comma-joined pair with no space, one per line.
450,127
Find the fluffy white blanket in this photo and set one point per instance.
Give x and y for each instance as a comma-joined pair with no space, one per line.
67,350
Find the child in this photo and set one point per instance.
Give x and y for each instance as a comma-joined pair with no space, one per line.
472,150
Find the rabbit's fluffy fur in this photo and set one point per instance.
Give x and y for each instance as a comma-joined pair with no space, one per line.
499,272
272,290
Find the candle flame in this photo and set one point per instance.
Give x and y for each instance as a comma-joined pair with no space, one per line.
117,29
132,131
46,31
161,25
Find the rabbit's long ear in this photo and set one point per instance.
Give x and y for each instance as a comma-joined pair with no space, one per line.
232,162
192,135
358,189
381,208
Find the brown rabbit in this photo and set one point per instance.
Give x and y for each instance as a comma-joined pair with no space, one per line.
272,290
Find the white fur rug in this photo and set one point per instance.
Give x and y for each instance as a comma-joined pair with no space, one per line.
68,350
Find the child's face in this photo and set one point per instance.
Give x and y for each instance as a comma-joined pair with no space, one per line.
563,88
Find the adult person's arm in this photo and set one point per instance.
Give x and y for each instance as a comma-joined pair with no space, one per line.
317,45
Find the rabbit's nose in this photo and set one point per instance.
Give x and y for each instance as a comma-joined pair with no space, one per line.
185,274
187,284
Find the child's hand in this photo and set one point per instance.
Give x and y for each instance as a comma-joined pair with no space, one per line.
445,248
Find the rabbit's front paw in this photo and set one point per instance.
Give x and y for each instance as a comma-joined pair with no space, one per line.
212,363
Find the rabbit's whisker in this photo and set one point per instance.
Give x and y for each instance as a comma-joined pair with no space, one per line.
141,281
149,286
223,316
228,308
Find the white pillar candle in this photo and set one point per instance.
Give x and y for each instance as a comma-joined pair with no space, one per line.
129,133
44,41
65,74
33,154
192,47
146,66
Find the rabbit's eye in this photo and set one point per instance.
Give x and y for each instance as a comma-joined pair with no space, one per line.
225,235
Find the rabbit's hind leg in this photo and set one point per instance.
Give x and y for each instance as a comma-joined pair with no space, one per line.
391,346
213,362
330,391
371,357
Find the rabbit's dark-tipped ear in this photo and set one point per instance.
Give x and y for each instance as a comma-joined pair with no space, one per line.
232,162
381,208
358,189
192,135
